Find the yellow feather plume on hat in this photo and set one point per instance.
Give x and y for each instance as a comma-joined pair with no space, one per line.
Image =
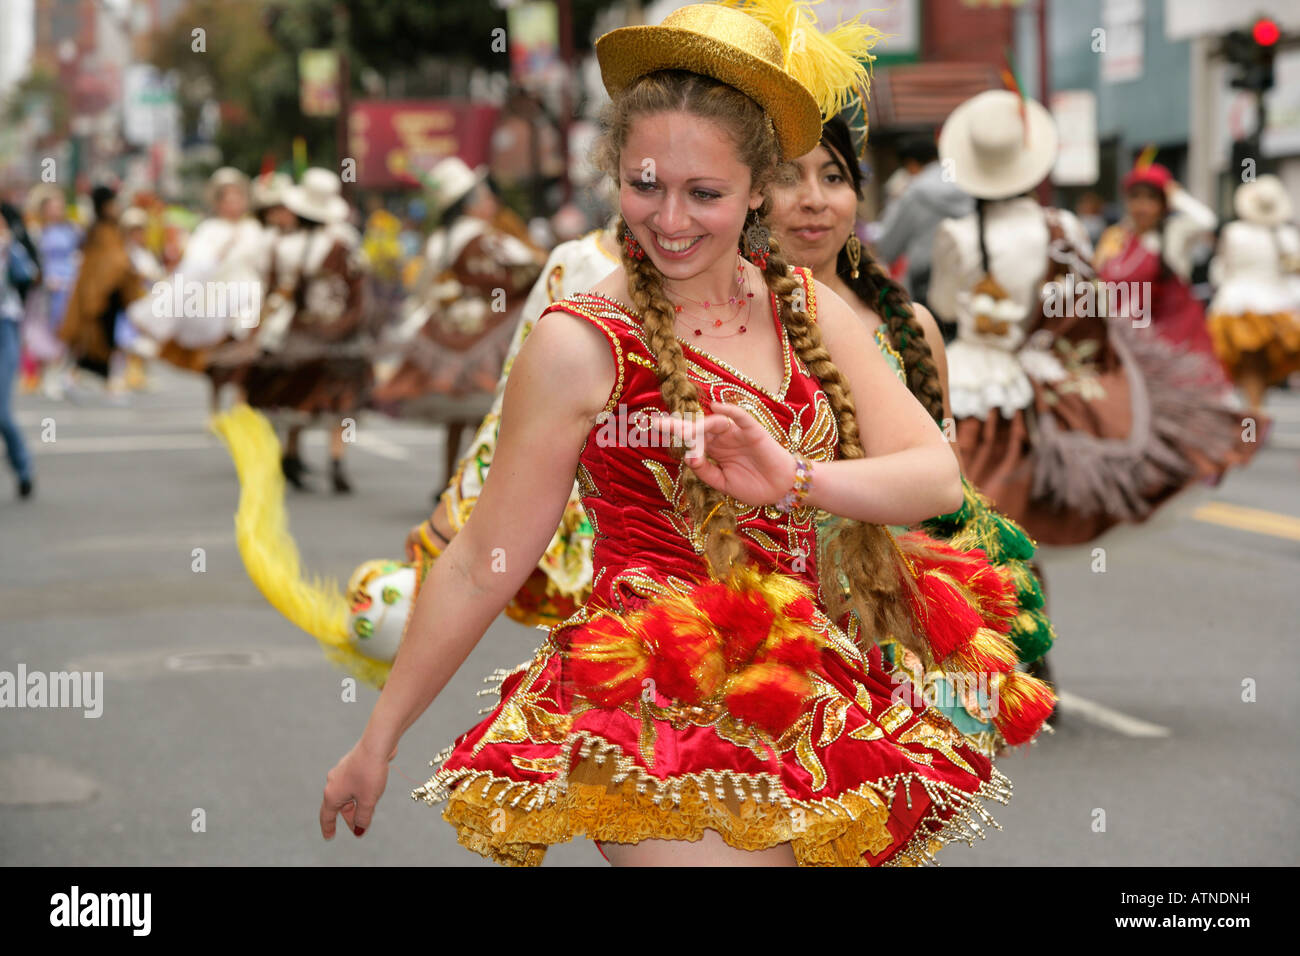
832,65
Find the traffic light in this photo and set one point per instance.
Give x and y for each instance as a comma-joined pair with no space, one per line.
1251,52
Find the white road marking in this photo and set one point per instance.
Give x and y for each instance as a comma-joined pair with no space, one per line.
147,663
129,541
369,441
196,421
1283,413
73,417
120,444
372,440
1073,705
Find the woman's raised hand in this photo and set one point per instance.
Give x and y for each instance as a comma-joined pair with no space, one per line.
353,788
731,451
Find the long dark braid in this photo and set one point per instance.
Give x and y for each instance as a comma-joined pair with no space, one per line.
904,332
877,289
981,204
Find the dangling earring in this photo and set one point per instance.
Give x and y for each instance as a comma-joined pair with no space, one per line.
854,249
634,250
756,239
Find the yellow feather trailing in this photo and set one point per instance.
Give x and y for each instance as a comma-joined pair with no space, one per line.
833,64
268,550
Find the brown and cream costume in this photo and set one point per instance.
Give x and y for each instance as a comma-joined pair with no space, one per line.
1071,422
459,322
313,347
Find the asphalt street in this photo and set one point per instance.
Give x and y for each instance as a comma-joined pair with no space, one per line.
1178,663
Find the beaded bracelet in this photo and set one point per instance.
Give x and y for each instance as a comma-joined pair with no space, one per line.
802,485
431,548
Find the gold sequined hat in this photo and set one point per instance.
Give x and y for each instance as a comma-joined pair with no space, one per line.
727,45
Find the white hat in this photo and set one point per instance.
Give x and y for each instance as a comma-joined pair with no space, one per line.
451,180
225,176
269,189
319,197
1263,201
133,218
985,144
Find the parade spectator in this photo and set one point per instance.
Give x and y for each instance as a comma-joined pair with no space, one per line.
1091,212
910,221
59,242
18,270
910,162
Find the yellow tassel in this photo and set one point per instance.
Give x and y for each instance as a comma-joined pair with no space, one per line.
830,64
268,550
987,651
1024,704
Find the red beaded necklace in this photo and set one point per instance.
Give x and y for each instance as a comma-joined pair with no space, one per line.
737,301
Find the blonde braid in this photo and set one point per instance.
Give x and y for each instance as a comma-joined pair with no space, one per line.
721,547
866,554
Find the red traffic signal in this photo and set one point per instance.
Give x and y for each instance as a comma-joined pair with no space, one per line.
1265,32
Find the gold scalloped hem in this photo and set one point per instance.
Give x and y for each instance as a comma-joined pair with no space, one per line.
513,822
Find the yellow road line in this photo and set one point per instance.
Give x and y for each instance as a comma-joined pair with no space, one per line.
1249,519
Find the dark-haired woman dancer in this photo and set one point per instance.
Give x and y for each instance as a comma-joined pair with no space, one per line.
814,217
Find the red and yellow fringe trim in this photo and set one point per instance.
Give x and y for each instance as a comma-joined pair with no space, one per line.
608,797
965,608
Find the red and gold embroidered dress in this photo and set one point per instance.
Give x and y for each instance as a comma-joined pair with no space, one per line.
671,703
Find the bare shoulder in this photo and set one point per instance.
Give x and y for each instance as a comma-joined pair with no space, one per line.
613,286
569,361
836,318
930,327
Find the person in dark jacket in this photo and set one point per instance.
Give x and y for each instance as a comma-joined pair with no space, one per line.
18,273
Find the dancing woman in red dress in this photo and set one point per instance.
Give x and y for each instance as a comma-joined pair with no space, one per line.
721,698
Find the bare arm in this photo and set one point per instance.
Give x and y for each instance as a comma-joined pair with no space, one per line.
934,338
561,379
910,472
